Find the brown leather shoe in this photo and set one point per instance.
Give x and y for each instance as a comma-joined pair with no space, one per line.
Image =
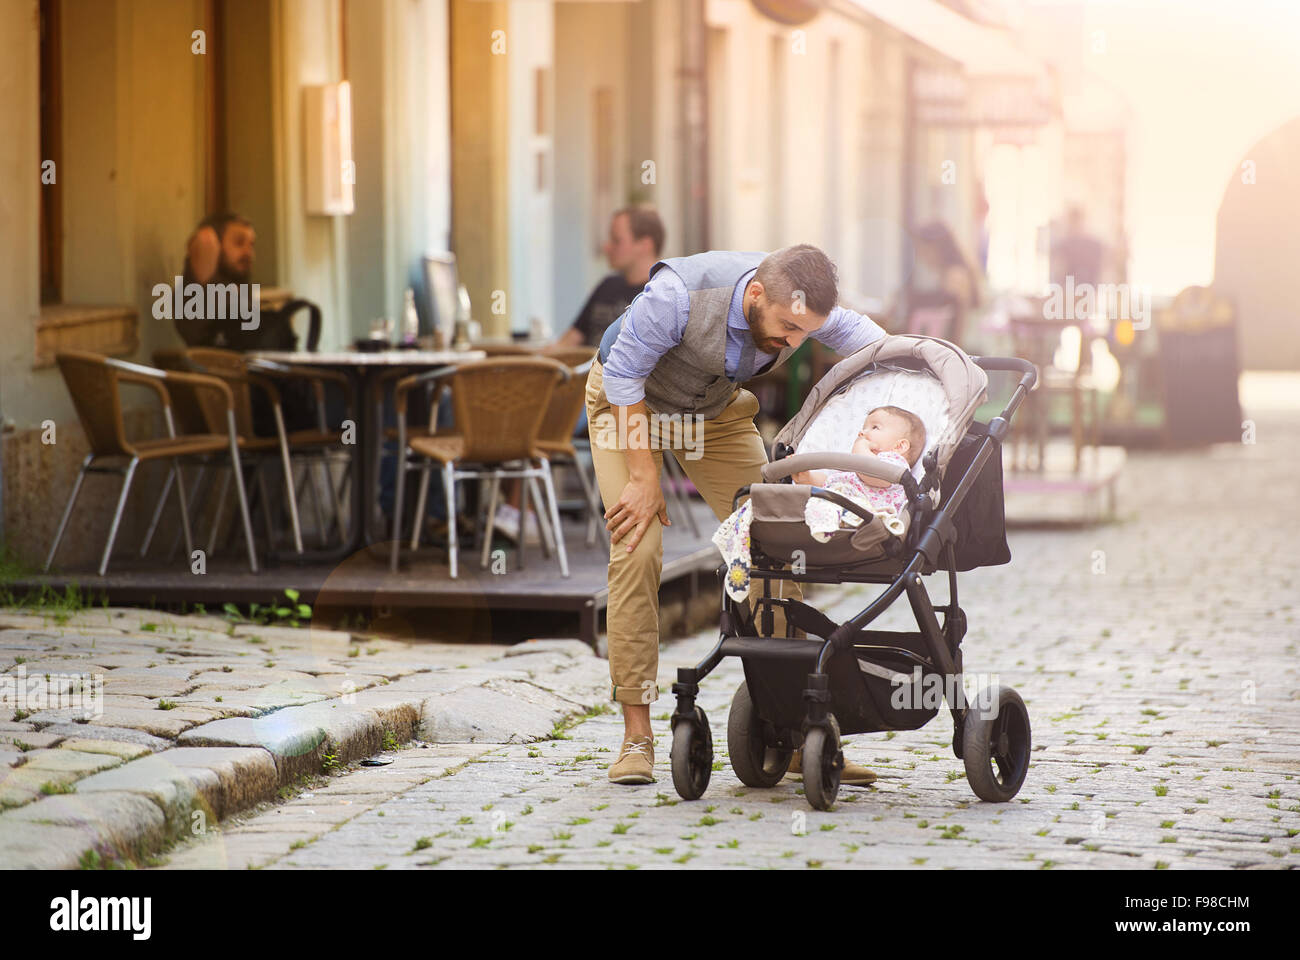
635,763
851,776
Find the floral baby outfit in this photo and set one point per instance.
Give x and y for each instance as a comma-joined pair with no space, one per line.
822,516
732,541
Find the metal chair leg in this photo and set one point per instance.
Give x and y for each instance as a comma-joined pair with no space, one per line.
397,511
185,514
595,521
236,468
494,493
543,521
158,509
218,514
117,514
288,479
523,521
449,483
421,499
200,486
554,507
67,511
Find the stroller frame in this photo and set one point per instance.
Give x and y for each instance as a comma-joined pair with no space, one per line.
996,732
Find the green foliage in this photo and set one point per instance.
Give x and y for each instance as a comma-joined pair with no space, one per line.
287,611
329,760
47,601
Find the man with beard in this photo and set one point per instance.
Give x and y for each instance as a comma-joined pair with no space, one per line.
702,326
220,251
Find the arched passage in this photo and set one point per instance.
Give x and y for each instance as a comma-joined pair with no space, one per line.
1257,250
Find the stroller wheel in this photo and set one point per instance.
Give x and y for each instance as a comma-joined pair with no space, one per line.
822,763
996,744
692,756
755,763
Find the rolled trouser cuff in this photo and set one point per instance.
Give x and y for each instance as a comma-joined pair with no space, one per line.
636,695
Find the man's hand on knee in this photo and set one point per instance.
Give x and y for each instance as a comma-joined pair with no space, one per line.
639,503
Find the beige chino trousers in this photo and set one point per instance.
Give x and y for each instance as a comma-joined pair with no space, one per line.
720,456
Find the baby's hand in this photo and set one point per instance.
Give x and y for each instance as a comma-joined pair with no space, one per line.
811,477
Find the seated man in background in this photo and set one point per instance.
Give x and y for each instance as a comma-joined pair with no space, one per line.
636,239
635,242
219,251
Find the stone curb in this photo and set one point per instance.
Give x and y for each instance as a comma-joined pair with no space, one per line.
222,767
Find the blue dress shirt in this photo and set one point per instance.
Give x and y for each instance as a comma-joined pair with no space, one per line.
656,321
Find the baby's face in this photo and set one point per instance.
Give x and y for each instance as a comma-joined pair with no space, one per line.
882,432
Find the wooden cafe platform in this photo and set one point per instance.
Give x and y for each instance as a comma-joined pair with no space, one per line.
420,601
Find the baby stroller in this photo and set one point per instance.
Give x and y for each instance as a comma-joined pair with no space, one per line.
803,692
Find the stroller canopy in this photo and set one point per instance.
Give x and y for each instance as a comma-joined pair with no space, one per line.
945,395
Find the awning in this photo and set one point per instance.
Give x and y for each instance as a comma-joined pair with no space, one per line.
982,51
992,81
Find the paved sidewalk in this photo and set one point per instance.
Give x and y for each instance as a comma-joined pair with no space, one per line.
1158,658
198,719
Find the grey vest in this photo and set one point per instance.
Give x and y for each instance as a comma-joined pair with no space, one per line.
691,378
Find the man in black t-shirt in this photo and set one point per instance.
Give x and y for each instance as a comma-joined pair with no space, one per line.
636,239
634,245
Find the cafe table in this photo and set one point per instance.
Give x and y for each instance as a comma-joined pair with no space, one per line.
365,369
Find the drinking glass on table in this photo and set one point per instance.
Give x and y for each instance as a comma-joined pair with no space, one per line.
381,328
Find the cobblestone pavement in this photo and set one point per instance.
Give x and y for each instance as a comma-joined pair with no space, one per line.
1157,656
120,729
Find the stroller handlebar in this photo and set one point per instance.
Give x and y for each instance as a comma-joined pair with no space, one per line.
854,462
1010,365
1028,378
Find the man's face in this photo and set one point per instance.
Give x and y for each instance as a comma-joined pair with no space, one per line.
775,326
237,250
622,248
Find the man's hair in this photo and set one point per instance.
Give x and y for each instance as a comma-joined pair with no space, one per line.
801,271
915,431
643,221
219,222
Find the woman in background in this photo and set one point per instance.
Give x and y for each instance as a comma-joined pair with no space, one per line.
944,287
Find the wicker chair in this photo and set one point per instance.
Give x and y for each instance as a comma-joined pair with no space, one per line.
502,348
556,433
499,405
187,411
317,444
243,375
94,381
432,399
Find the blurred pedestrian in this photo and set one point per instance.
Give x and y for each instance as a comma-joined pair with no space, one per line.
635,242
944,287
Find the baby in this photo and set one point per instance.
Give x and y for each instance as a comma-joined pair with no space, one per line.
891,434
894,435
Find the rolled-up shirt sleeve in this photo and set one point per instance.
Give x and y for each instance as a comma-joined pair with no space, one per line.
651,326
847,332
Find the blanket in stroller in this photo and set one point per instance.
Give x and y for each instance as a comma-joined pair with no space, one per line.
823,518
